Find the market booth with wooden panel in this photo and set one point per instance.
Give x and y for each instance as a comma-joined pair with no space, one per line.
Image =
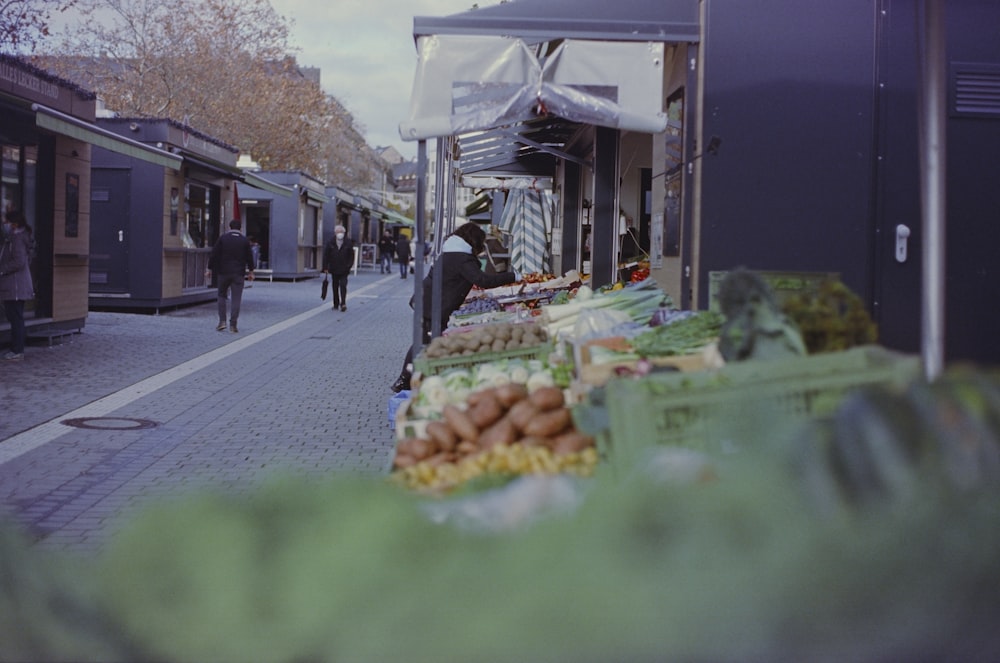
47,137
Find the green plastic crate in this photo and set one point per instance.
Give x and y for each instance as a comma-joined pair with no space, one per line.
426,366
716,411
783,284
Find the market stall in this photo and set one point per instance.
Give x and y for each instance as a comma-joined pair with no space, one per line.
547,376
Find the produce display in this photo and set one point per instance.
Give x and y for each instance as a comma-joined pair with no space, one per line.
684,335
636,302
487,338
866,534
525,432
831,318
477,305
454,385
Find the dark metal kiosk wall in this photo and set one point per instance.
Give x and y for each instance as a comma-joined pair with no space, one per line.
817,108
972,284
790,95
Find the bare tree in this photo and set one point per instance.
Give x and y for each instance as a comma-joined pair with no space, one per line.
223,67
23,23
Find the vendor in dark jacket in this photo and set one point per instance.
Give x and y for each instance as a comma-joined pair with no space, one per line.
459,269
338,261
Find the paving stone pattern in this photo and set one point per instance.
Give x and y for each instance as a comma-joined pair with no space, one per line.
310,400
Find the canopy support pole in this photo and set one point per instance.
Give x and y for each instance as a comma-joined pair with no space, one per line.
604,224
932,139
418,269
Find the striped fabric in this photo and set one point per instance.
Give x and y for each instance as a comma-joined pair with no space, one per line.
527,218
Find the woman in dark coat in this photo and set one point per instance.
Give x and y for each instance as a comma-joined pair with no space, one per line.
15,279
403,254
459,269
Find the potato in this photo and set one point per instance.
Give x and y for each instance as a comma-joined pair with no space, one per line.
460,422
571,441
511,393
549,424
442,434
405,446
548,398
521,413
472,400
402,461
467,448
486,411
502,432
498,345
437,459
421,448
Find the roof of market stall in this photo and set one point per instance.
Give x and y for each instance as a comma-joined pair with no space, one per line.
562,64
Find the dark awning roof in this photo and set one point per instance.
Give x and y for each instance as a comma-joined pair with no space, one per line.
315,196
544,20
395,217
259,182
53,120
211,166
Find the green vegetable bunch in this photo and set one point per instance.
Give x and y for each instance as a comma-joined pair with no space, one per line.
831,318
681,337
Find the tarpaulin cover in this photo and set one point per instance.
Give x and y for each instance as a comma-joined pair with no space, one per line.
466,83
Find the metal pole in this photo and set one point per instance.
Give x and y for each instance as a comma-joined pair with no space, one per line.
418,269
441,228
933,141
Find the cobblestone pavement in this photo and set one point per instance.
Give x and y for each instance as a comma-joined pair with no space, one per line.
167,404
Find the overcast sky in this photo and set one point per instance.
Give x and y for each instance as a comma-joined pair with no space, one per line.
366,55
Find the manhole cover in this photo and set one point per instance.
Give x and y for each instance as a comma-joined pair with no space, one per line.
109,423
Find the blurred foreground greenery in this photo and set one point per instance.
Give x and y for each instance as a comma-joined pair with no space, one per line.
734,558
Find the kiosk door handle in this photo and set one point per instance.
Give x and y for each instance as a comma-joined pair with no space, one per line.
902,238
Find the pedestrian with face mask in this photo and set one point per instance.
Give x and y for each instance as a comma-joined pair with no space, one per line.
15,279
338,260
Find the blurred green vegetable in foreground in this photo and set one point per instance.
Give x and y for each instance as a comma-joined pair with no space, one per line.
821,546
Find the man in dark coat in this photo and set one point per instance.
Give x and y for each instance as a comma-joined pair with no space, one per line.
338,261
403,254
459,269
232,261
386,250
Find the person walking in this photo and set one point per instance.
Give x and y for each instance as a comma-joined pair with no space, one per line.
231,261
386,251
338,260
403,254
16,286
459,269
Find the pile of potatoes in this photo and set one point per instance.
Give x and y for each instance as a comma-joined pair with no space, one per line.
498,337
503,415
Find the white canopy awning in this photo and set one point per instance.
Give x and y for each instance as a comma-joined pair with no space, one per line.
467,83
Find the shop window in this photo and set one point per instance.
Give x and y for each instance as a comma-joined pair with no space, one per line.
201,216
10,178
